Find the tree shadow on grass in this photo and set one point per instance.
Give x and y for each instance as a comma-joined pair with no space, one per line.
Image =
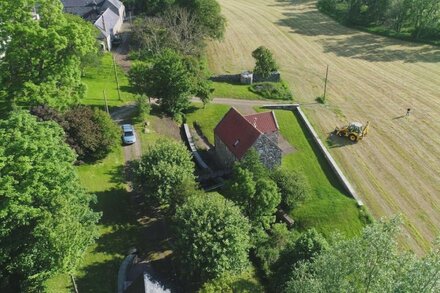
348,42
99,277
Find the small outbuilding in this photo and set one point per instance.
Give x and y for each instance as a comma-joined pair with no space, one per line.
236,134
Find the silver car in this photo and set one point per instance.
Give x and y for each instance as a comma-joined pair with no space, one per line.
128,135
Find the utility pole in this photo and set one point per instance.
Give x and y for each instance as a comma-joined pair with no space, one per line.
116,78
106,104
75,288
325,84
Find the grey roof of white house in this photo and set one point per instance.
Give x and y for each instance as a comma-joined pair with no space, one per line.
106,22
91,9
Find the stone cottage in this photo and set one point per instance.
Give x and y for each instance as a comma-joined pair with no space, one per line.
235,134
106,15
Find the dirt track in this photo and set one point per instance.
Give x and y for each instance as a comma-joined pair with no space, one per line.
397,168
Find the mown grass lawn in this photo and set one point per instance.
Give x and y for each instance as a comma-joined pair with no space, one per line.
118,229
328,209
102,78
206,118
233,91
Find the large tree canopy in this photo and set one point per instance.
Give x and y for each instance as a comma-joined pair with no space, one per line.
253,191
42,54
172,79
370,263
164,171
45,219
212,237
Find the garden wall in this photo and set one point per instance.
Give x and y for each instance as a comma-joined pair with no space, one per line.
344,181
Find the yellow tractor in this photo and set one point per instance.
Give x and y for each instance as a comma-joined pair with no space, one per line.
355,131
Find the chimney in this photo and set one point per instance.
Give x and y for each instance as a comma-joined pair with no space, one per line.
255,122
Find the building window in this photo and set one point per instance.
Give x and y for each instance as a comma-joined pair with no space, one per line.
236,143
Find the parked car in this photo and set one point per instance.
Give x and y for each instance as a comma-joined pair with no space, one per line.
128,135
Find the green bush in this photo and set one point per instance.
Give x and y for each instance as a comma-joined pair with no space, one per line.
211,238
143,107
272,90
293,186
91,133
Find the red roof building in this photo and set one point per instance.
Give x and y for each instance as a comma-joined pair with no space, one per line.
235,134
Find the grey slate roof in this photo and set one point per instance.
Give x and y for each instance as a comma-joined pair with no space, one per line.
91,9
106,22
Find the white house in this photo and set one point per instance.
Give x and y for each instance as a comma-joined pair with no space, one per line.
106,15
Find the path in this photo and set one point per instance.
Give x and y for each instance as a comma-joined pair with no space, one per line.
396,169
123,115
120,52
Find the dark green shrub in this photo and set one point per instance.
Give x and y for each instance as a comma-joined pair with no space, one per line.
91,133
293,187
272,90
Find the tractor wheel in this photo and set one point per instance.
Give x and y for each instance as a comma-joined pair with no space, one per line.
352,137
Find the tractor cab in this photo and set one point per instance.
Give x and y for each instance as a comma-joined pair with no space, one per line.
355,127
355,131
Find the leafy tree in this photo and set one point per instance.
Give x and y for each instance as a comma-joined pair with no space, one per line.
42,57
377,10
175,28
354,12
91,133
232,282
251,161
264,203
424,15
167,166
370,263
208,16
308,246
257,199
211,237
172,79
148,7
45,113
398,13
46,223
143,107
264,62
293,187
167,79
253,191
269,248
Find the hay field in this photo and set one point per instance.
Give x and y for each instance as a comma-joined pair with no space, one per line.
396,169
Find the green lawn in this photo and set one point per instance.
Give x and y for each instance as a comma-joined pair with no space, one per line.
207,118
329,208
118,229
102,78
234,91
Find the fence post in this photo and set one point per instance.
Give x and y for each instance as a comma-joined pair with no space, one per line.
116,78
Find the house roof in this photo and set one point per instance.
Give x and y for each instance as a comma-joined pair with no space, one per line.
238,133
265,122
91,9
106,22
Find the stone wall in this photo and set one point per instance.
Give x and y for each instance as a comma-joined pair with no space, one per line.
274,136
225,157
273,77
235,78
270,153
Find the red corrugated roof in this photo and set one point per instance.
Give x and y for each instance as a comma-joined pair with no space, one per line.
265,122
238,133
